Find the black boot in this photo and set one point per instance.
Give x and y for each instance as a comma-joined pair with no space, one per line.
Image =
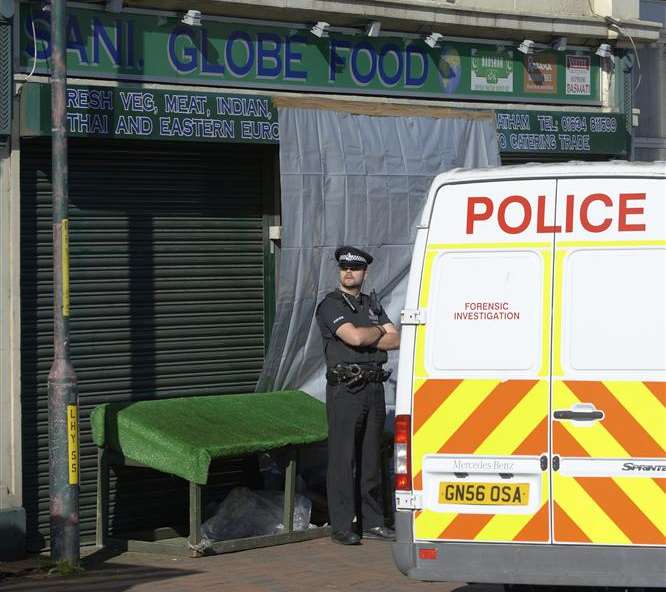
383,533
346,537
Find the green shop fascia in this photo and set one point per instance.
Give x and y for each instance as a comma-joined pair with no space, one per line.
157,48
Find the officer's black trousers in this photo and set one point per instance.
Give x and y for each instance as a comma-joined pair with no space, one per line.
355,427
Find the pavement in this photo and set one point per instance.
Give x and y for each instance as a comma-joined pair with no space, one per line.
312,566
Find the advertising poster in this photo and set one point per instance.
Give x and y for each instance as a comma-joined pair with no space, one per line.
578,75
540,74
492,70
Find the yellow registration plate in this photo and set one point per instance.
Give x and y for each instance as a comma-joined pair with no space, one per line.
484,494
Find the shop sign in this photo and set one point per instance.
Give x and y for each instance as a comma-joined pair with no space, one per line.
561,132
154,47
136,113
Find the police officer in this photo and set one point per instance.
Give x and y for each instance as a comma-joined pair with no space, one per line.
357,333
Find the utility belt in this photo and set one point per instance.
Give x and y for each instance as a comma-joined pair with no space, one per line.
355,375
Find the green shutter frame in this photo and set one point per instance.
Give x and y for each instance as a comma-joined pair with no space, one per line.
168,243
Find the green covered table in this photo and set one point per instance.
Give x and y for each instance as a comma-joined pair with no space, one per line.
182,436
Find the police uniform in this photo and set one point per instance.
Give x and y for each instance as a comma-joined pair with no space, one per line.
355,405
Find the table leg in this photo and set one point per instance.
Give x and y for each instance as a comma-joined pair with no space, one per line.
195,515
102,517
289,493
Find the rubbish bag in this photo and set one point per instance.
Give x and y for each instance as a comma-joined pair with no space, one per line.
245,513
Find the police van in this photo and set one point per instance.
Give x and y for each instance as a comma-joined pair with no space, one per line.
530,426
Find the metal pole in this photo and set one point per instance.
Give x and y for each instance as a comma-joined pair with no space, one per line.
63,395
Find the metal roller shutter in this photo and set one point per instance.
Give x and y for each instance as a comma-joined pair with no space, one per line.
167,296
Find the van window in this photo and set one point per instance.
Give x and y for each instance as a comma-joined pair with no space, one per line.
485,313
613,310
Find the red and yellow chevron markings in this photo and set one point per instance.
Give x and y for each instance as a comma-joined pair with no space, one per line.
499,527
479,417
566,530
634,423
536,530
483,417
429,398
611,510
658,389
474,431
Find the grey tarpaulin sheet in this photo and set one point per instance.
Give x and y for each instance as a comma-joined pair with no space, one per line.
354,179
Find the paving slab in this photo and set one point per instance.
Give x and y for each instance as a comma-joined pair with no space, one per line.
316,565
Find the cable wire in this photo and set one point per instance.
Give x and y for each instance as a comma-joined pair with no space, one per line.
610,23
34,55
638,60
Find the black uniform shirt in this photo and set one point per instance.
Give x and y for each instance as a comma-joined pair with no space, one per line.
333,312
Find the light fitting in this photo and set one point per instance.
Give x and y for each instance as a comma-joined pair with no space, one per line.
434,39
192,18
526,47
373,28
320,29
604,51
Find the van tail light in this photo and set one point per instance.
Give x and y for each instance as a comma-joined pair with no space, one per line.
402,453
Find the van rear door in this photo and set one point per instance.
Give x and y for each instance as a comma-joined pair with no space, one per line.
481,377
609,363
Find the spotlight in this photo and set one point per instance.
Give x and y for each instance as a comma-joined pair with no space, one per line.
373,28
320,29
526,47
433,39
192,18
560,44
604,51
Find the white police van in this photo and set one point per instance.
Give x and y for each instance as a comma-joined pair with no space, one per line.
531,396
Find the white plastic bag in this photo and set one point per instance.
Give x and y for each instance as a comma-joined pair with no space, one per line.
245,513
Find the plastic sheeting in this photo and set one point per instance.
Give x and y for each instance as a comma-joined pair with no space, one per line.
360,180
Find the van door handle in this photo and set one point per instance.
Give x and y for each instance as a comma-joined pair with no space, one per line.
578,415
579,412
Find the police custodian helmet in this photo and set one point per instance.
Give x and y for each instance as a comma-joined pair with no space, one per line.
352,258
